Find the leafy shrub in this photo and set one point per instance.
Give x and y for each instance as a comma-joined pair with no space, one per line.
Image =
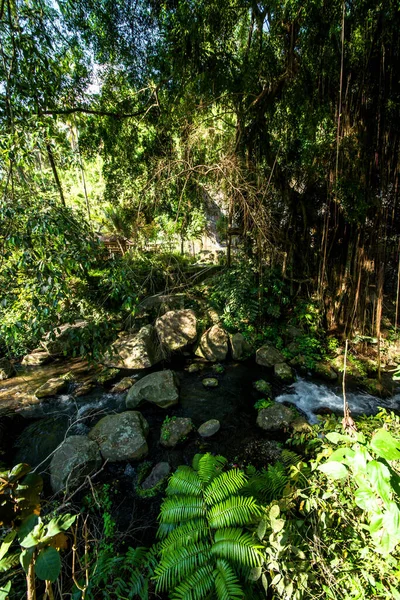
336,531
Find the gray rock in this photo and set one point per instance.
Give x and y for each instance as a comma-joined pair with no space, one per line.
210,382
325,371
83,388
293,332
135,351
6,369
123,385
158,473
163,302
176,329
35,359
209,428
158,388
106,375
38,441
174,431
294,348
283,371
268,356
63,339
195,367
275,417
263,387
213,344
52,387
76,458
121,436
240,346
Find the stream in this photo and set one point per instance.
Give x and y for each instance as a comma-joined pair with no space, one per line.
34,429
30,430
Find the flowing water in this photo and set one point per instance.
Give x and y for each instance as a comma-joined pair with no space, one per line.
313,398
38,427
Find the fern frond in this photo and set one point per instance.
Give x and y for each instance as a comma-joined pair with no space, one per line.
209,466
184,481
289,458
234,544
176,565
225,485
238,510
269,484
196,586
176,509
226,583
165,528
136,556
189,532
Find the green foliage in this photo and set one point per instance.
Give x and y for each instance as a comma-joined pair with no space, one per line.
32,541
263,403
204,546
335,533
115,575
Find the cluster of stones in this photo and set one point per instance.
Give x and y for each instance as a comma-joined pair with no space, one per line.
123,436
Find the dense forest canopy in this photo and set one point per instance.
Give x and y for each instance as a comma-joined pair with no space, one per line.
125,115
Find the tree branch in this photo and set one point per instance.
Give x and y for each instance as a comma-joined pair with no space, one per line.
89,111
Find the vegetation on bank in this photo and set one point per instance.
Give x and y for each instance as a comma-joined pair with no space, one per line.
323,522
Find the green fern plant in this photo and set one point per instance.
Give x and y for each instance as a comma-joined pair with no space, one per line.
205,552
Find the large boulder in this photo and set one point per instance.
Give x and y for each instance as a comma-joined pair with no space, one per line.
52,387
283,372
39,439
121,436
135,351
275,418
174,431
6,368
325,371
158,388
123,385
76,458
64,339
213,344
176,329
240,346
36,358
268,356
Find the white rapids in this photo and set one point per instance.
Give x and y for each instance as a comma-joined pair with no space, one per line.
310,397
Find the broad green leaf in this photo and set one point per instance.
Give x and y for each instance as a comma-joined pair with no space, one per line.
335,437
26,557
342,455
367,500
55,526
26,527
18,471
5,590
277,525
334,469
48,564
376,523
385,445
379,476
261,529
274,511
8,540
